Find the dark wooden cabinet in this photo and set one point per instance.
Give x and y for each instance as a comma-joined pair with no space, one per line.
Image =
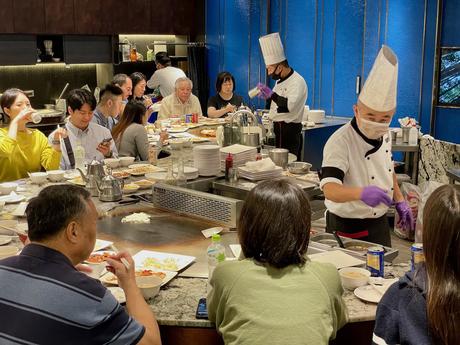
6,16
131,17
59,16
29,16
18,50
94,17
102,17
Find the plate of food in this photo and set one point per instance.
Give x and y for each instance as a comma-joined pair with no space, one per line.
150,260
130,188
72,174
99,257
144,169
208,133
120,174
144,184
198,140
165,276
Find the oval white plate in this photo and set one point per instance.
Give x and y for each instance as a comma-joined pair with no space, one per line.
139,165
5,239
12,199
368,293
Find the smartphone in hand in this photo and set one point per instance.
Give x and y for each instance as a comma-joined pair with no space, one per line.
106,141
201,310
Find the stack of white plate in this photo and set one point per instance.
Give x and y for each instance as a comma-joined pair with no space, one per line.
259,175
206,159
240,154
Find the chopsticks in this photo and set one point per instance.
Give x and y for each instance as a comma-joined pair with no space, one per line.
123,260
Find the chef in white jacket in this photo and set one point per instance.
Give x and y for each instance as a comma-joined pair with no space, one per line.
357,174
288,97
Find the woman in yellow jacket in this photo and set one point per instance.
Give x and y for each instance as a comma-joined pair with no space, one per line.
23,149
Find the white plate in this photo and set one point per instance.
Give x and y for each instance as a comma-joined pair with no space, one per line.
12,199
70,175
5,239
177,130
147,259
368,293
110,278
101,244
118,293
77,181
139,165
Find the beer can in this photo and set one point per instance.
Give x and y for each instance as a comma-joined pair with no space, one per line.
417,255
374,262
188,118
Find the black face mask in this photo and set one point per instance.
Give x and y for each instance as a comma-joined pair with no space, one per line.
275,76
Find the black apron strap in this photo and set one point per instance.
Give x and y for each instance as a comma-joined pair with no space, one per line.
68,148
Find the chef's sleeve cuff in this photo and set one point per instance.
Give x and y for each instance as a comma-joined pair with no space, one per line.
333,172
327,180
281,102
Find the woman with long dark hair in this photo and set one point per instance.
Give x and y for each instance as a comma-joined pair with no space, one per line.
275,295
424,306
130,134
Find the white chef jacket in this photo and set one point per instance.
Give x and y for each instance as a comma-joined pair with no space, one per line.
90,138
165,78
294,88
353,160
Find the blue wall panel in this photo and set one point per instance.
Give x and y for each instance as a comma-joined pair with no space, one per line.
428,66
448,125
326,73
451,23
300,40
348,55
372,35
405,37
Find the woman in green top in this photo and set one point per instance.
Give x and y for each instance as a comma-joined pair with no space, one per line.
275,295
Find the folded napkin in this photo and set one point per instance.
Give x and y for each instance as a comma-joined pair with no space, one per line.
265,164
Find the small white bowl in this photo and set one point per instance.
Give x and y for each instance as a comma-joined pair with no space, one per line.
7,251
112,162
56,175
149,285
38,177
353,277
97,269
125,161
8,187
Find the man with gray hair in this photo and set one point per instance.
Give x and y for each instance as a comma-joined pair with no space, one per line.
181,102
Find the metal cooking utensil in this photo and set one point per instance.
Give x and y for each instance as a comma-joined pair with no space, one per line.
339,240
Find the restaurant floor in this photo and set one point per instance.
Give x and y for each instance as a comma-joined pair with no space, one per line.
403,246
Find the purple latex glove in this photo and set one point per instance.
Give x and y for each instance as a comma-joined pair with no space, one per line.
265,91
406,219
373,196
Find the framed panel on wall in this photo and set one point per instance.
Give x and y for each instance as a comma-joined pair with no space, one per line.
449,77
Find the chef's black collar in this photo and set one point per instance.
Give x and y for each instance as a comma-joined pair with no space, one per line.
376,143
289,74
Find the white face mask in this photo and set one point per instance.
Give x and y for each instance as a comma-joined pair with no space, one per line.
373,130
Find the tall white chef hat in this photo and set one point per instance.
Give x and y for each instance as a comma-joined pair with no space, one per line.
272,48
380,88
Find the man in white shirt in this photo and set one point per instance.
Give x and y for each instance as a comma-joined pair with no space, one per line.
181,102
96,140
287,98
165,76
357,174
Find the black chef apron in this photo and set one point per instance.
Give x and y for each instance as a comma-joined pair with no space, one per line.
375,230
289,136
